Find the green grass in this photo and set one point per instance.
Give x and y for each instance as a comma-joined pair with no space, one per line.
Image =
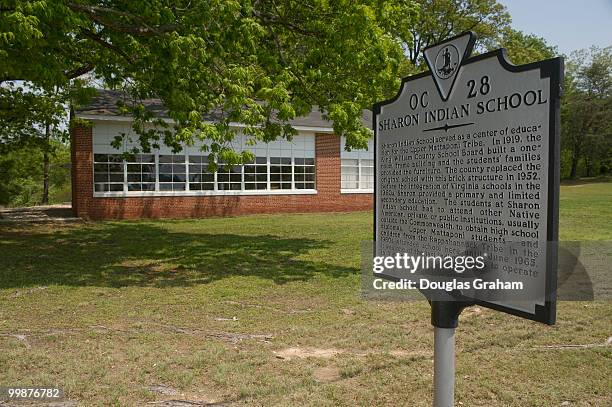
207,307
585,212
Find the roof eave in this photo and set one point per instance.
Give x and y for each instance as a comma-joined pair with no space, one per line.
126,119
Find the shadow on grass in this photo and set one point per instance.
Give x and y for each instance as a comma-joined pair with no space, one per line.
138,254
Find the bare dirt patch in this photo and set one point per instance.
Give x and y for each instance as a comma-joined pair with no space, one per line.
327,374
231,337
348,311
309,352
186,399
183,403
400,353
328,353
471,312
607,343
163,389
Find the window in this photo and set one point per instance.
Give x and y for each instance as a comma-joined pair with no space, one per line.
256,174
350,173
141,173
172,172
229,178
366,178
304,169
283,167
357,169
108,173
281,173
304,173
200,179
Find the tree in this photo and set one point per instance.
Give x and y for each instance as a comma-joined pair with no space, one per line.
257,62
597,153
35,118
21,167
525,48
31,118
441,19
586,108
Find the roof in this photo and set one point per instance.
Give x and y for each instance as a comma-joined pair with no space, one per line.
106,104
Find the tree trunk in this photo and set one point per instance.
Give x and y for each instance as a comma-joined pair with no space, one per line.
45,194
588,164
575,159
574,166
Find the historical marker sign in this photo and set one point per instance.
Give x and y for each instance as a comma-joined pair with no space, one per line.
467,156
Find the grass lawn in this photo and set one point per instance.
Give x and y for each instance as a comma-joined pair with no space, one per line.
265,310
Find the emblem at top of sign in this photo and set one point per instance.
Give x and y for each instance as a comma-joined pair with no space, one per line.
444,61
447,62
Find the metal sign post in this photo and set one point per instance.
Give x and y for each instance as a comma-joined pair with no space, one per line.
444,367
445,318
467,162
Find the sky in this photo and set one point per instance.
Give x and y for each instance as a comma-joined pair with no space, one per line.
568,24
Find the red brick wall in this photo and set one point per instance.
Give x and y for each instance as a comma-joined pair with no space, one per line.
328,198
82,170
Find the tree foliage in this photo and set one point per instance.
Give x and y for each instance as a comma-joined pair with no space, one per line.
441,19
31,120
586,111
22,178
257,62
525,48
35,119
24,113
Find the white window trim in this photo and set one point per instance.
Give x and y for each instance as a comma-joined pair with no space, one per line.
357,191
140,194
187,192
359,167
216,192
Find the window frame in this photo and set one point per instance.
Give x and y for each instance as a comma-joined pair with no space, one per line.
359,156
108,162
215,192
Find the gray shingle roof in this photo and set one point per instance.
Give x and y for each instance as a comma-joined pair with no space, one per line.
105,104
